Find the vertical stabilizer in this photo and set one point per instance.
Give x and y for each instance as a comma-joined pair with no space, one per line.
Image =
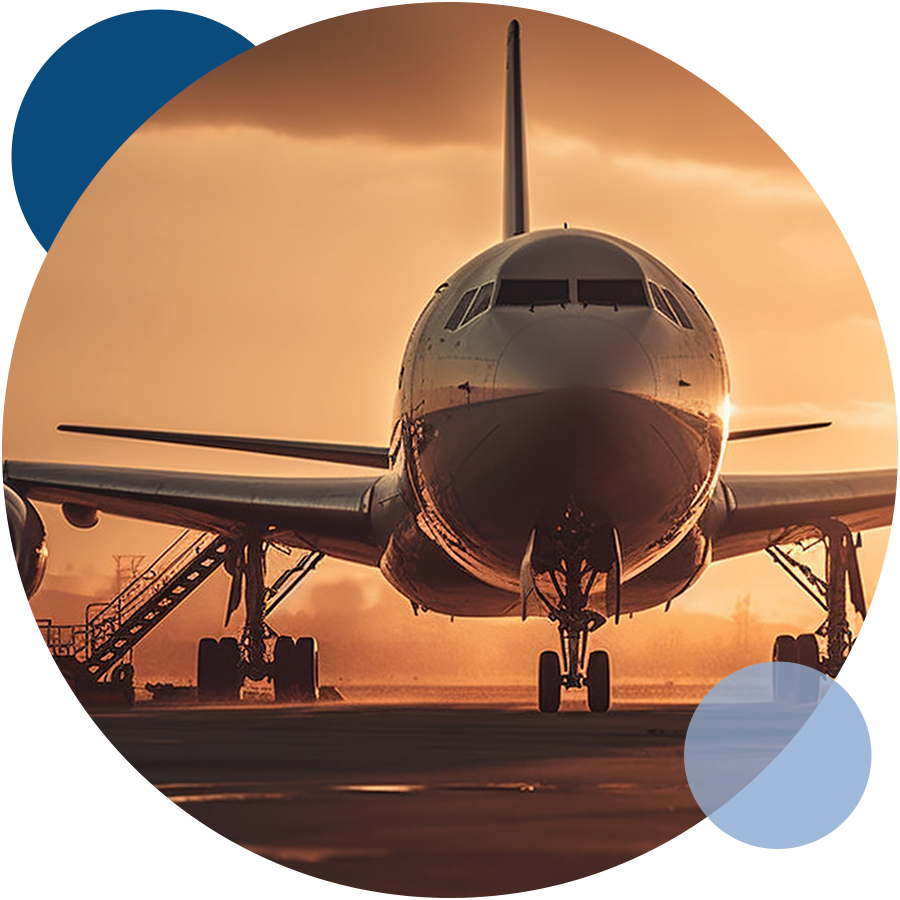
515,197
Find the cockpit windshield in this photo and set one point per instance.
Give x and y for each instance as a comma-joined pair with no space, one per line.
482,302
667,303
612,292
677,308
532,292
461,308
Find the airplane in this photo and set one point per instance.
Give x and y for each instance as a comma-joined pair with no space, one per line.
561,418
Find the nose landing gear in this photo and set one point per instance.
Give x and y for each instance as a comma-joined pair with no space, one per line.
569,554
551,680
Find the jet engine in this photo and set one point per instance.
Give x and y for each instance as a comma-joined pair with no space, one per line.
80,516
29,539
670,576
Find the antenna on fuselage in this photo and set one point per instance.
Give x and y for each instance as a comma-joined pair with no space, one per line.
515,195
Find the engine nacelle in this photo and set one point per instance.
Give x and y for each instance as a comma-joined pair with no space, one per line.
80,516
670,576
29,539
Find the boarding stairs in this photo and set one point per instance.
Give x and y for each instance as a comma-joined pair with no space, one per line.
95,657
290,578
111,630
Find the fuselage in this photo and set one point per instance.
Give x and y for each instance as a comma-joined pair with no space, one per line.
557,366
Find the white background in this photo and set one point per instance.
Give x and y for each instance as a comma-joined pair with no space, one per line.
821,80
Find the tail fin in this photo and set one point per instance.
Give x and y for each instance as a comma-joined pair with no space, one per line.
515,197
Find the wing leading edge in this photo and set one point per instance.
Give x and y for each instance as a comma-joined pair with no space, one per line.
756,511
749,513
330,514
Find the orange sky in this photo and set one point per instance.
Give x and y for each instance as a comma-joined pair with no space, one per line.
253,259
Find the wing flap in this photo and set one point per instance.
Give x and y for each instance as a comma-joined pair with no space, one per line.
331,514
762,510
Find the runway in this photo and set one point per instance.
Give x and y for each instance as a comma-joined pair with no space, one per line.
449,793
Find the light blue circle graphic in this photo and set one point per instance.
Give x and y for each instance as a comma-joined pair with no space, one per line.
777,755
95,92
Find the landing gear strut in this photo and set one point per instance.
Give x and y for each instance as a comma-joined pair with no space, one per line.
261,653
828,647
570,553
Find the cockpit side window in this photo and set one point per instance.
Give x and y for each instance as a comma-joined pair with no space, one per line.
533,292
677,308
482,302
612,292
660,302
693,293
457,315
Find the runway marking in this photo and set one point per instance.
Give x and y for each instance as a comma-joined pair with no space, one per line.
219,798
379,788
522,787
287,855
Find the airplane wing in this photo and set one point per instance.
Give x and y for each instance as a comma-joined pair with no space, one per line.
329,514
756,511
352,454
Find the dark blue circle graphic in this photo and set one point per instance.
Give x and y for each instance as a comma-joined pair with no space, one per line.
94,92
777,755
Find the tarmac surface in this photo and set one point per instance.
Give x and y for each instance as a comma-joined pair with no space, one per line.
447,794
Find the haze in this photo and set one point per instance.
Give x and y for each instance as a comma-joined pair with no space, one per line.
253,259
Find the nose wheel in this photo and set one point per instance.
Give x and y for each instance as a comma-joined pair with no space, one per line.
568,554
551,681
597,681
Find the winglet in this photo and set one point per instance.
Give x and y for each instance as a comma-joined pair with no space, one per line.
515,195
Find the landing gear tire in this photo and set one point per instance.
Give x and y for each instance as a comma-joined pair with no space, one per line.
597,681
287,671
219,676
808,656
232,677
207,670
307,657
785,649
784,681
549,682
807,648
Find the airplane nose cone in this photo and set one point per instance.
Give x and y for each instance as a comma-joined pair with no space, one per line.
574,351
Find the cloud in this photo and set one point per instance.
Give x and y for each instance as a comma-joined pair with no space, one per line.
761,185
857,414
432,73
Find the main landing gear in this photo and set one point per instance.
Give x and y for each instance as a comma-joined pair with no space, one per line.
570,552
261,653
825,649
294,669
